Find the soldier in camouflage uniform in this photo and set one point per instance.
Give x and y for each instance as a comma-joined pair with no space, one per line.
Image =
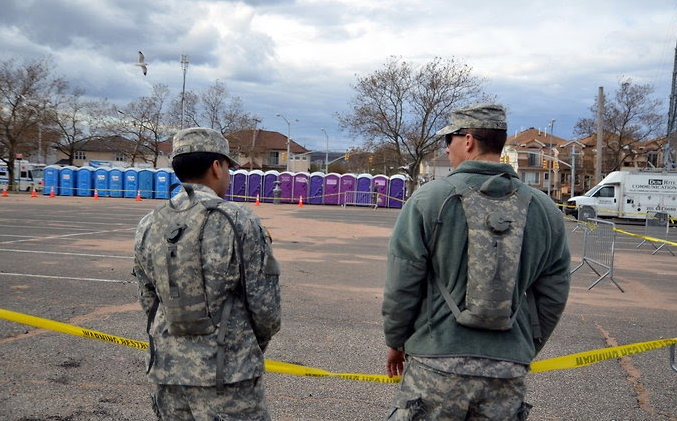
215,374
452,369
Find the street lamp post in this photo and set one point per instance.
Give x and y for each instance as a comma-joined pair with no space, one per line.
552,125
184,66
288,136
326,153
251,154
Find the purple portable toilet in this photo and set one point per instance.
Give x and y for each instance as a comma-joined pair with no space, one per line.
301,186
364,193
316,191
331,188
116,182
269,179
380,187
286,180
347,183
239,183
396,191
254,185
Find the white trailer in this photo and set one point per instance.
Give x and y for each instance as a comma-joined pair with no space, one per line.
629,195
26,175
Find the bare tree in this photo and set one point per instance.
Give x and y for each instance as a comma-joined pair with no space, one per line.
190,110
632,116
400,107
24,91
223,112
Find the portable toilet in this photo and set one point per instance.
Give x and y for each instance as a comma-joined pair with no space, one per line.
162,183
101,183
380,188
146,179
331,188
254,185
116,184
67,181
286,180
300,187
269,179
364,196
396,191
347,184
239,183
50,177
130,177
316,191
84,185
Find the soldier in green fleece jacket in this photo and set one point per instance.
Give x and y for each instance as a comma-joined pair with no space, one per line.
466,360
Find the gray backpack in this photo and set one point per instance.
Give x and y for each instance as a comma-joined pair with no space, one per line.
495,232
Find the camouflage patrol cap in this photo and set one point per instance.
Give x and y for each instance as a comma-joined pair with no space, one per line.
477,116
200,139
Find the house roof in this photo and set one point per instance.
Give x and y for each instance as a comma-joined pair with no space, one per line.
534,137
114,144
265,140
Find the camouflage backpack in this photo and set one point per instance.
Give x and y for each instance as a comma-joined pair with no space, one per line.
495,232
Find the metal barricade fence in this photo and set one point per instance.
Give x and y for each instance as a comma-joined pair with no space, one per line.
360,198
598,250
657,226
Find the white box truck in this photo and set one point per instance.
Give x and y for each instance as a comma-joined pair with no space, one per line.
26,175
628,195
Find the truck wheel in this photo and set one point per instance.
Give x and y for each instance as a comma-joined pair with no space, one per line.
585,213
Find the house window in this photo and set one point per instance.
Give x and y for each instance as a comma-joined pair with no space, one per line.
79,155
533,159
531,178
274,158
120,157
652,159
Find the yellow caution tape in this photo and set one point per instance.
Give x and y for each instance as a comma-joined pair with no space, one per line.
559,363
644,237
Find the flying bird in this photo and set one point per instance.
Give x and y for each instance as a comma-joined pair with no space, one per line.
142,64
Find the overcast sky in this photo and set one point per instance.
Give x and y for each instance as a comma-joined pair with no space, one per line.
543,60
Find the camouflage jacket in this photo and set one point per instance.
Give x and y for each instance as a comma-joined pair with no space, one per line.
191,360
543,268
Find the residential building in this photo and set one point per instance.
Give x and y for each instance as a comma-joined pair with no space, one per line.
114,151
265,150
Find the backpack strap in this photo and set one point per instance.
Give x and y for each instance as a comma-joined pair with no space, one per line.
212,205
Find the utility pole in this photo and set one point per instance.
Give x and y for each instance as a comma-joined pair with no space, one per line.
184,66
600,135
671,139
326,153
552,129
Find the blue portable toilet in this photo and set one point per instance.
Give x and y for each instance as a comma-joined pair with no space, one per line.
286,180
84,181
116,183
130,177
380,187
316,191
331,188
396,191
254,185
269,179
239,183
365,196
50,177
300,187
162,183
347,183
173,179
101,181
67,181
146,181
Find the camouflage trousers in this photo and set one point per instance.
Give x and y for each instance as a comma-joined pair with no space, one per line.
427,394
236,402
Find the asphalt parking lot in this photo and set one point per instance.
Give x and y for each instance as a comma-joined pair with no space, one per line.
69,259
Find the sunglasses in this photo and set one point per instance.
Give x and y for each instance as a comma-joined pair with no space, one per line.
448,137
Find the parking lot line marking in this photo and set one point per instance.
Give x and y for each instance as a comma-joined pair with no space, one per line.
67,254
66,235
70,278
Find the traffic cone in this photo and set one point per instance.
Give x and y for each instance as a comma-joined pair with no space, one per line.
258,202
51,193
300,201
138,195
34,193
4,191
96,194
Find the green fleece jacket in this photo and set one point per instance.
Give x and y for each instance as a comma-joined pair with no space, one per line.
544,269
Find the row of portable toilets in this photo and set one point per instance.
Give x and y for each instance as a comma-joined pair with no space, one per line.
314,188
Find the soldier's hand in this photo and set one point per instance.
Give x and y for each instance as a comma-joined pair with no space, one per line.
394,362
